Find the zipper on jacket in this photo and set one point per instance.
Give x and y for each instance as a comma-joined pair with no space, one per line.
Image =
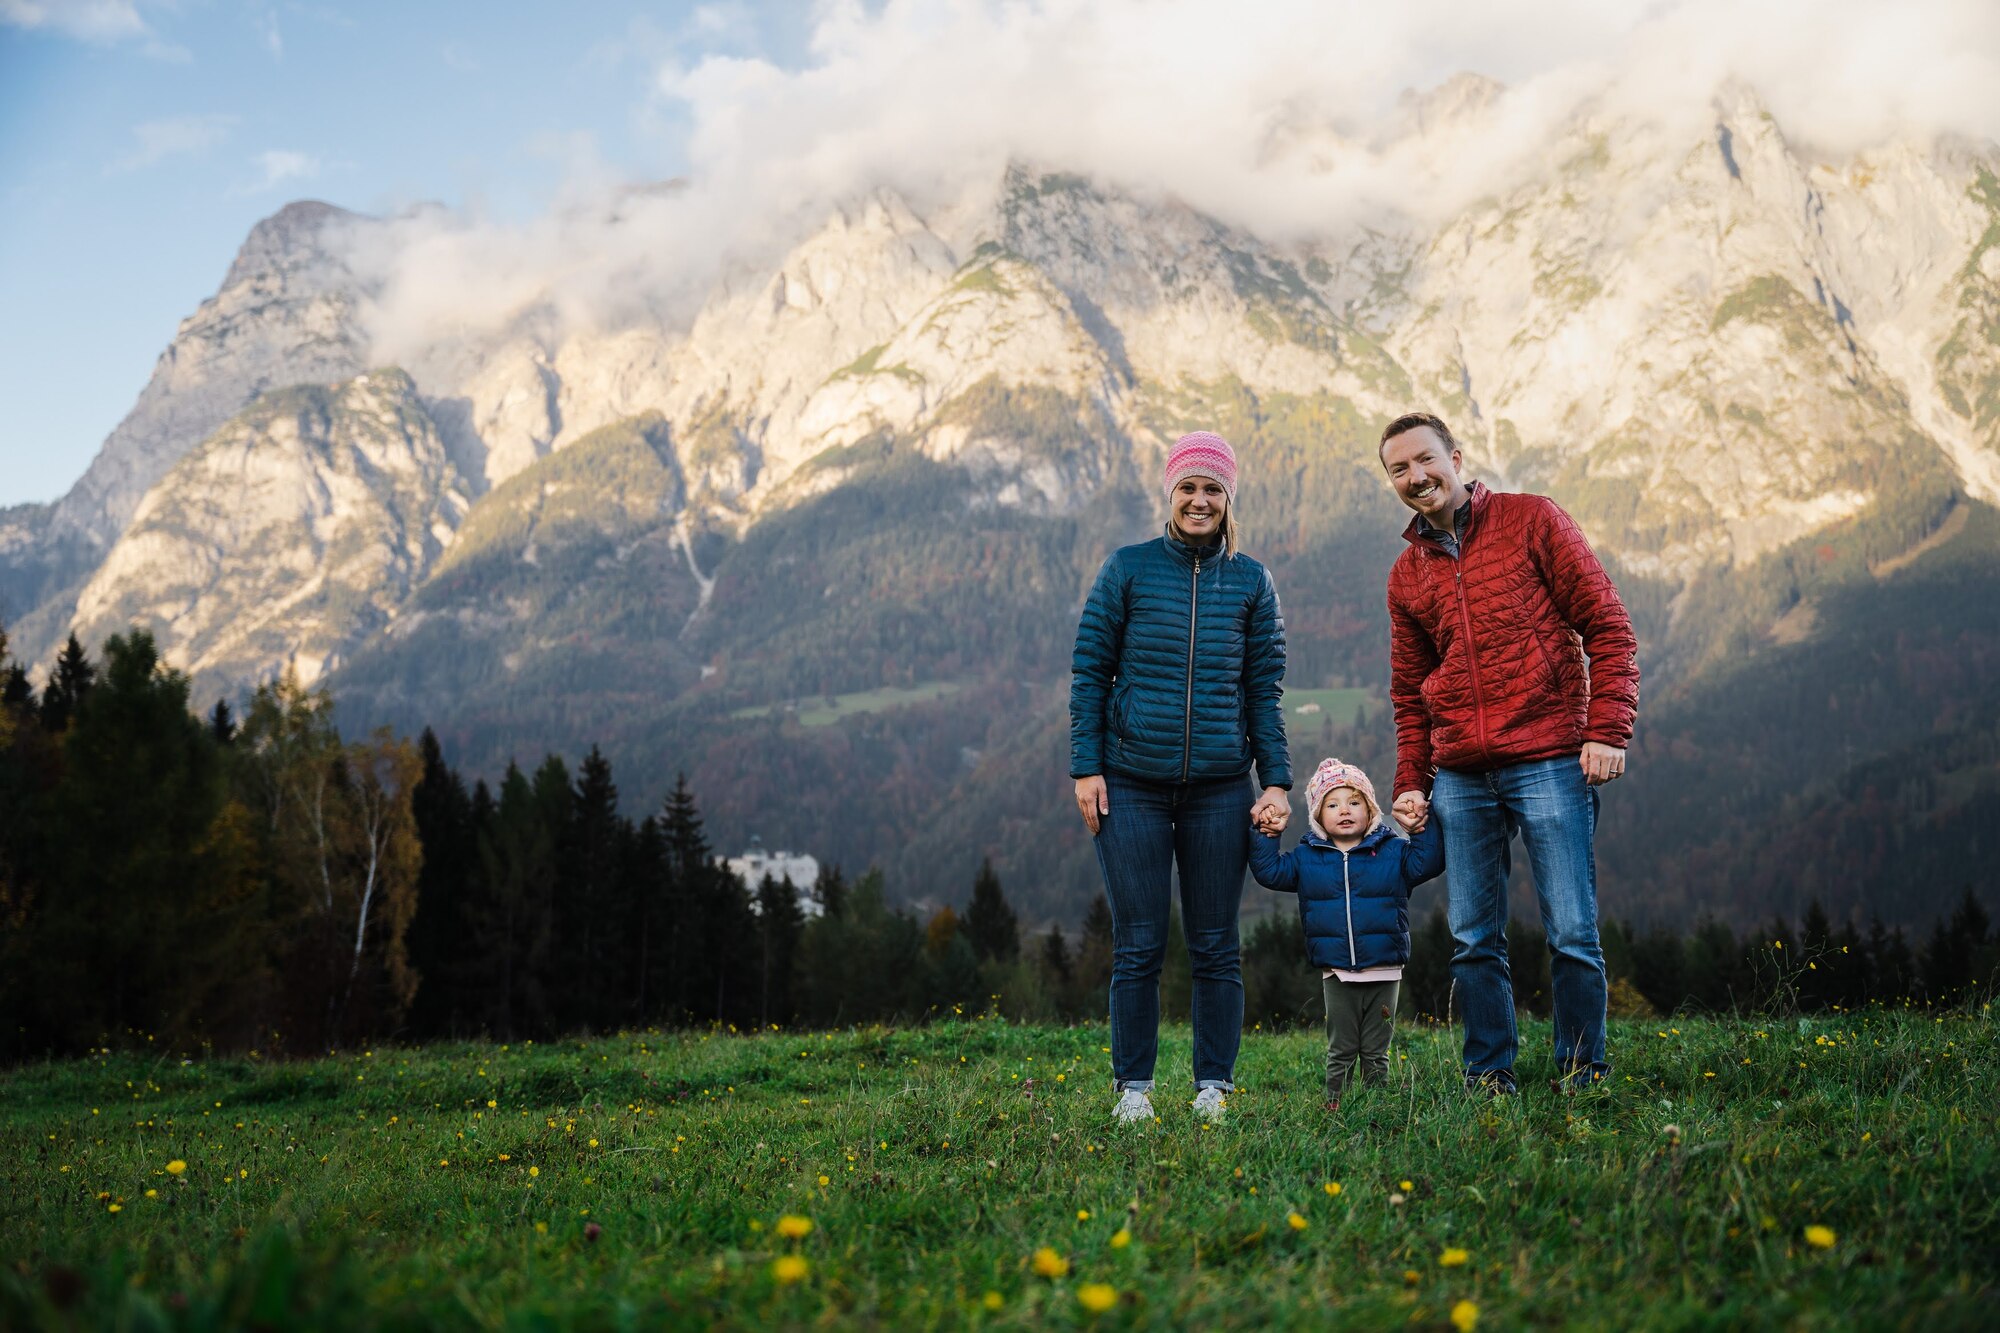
1347,900
1471,648
1187,729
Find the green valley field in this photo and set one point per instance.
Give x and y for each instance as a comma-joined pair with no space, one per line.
1835,1172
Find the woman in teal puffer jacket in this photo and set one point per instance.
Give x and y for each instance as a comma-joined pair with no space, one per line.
1179,665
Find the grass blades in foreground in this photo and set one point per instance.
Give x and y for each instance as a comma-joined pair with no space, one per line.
1805,1172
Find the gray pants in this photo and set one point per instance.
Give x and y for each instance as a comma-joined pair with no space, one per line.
1360,1018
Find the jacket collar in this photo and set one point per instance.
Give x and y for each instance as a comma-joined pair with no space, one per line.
1417,536
1186,554
1374,838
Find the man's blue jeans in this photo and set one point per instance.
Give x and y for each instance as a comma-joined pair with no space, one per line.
1205,828
1555,811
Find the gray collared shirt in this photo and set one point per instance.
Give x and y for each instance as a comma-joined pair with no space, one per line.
1448,537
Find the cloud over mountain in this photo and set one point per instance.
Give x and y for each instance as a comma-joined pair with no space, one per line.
1291,118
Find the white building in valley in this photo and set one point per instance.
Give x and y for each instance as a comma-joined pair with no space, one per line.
795,868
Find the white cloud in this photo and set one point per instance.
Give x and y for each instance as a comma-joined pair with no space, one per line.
274,39
99,21
280,165
92,20
174,137
1287,116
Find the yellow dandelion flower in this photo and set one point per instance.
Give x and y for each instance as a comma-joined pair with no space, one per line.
793,1227
593,1143
176,1167
1120,1238
824,1182
790,1268
152,1194
1820,1238
1332,1188
119,1208
1083,1214
1295,1222
1405,1186
1050,1264
1410,1275
1096,1297
1453,1257
541,1228
1465,1316
993,1300
534,1170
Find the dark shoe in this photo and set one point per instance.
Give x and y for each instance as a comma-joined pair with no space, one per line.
1492,1083
1582,1078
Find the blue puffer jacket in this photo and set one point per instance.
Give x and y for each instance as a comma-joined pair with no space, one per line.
1180,660
1355,906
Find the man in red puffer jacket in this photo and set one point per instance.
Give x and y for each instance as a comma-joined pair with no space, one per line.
1515,678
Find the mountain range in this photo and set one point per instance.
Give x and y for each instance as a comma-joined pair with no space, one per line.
821,545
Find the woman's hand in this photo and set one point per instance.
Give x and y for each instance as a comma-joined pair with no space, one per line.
1273,811
1092,800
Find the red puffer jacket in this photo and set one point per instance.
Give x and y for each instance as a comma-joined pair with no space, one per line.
1519,649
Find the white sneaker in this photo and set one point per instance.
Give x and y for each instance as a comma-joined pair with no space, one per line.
1133,1107
1209,1103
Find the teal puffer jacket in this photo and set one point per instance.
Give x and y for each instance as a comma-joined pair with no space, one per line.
1179,665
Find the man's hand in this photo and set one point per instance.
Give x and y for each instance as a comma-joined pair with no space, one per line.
1412,810
1092,800
1601,763
1272,812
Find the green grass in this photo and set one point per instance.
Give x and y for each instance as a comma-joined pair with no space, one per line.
1336,704
453,1186
822,711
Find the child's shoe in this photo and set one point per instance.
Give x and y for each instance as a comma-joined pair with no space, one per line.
1134,1107
1209,1104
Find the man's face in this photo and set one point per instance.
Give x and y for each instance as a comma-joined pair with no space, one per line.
1425,474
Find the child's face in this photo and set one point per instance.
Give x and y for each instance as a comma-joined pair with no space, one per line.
1344,813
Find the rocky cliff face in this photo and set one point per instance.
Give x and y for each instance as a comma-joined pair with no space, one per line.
288,537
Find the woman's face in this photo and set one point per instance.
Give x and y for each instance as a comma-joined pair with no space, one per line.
1198,506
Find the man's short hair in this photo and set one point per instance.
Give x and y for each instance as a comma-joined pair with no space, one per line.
1409,421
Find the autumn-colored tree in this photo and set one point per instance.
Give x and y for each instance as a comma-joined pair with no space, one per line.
342,848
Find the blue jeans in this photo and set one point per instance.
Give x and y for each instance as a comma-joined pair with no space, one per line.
1555,811
1205,827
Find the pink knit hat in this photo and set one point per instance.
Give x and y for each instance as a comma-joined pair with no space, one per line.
1201,454
1337,773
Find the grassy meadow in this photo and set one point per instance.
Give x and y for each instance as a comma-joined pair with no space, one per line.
1837,1172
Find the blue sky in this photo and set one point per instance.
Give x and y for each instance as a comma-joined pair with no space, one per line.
139,143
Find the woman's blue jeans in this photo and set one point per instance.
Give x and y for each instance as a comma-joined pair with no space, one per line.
1204,827
1555,812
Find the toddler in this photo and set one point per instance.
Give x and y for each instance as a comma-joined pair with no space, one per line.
1353,877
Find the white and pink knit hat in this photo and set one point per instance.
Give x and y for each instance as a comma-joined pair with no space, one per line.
1336,773
1202,454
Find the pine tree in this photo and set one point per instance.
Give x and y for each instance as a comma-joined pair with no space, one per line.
222,724
830,891
1093,954
154,920
1055,958
990,924
69,684
594,923
780,923
438,939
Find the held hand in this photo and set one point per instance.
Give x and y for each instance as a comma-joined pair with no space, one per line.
1092,800
1412,810
1601,763
1272,812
